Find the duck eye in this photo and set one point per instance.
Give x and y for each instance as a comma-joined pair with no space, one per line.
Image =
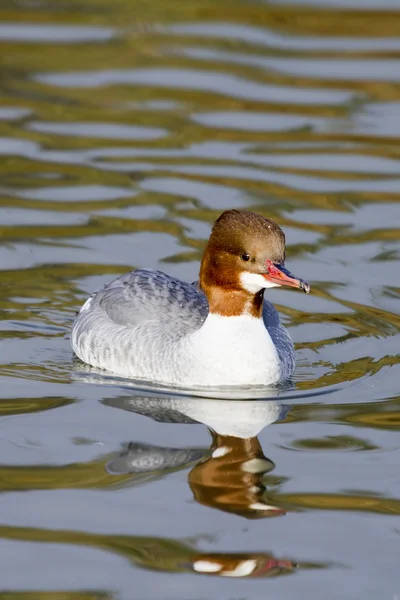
245,257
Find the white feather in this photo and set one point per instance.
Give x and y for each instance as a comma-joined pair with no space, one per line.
233,351
254,282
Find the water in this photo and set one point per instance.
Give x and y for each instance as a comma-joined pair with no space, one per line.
126,128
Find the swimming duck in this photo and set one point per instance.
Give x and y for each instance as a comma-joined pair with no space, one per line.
218,332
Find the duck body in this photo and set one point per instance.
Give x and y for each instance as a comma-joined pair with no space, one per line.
150,326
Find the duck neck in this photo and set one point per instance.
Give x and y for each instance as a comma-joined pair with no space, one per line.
234,302
222,287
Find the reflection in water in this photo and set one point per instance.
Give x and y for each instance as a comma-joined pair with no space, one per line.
234,475
146,458
163,554
230,476
231,479
237,418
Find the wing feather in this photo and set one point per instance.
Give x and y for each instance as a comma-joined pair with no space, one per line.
147,295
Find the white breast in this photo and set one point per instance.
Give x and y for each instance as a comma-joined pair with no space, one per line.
232,351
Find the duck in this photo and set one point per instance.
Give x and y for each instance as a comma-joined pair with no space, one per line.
218,332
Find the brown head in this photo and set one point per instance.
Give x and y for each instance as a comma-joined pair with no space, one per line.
245,255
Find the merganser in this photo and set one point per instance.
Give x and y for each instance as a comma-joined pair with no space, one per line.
218,332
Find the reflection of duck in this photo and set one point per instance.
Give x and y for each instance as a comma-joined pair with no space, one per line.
237,418
148,325
146,458
165,554
242,565
229,477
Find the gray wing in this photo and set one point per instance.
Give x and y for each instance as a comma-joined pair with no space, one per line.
147,295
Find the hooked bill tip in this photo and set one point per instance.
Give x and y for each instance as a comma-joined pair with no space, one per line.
305,287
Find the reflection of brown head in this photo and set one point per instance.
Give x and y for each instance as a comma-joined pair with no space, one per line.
241,565
230,479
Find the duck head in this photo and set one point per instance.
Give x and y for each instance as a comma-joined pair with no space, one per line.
244,256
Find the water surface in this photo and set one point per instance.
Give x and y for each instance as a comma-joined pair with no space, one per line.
125,129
